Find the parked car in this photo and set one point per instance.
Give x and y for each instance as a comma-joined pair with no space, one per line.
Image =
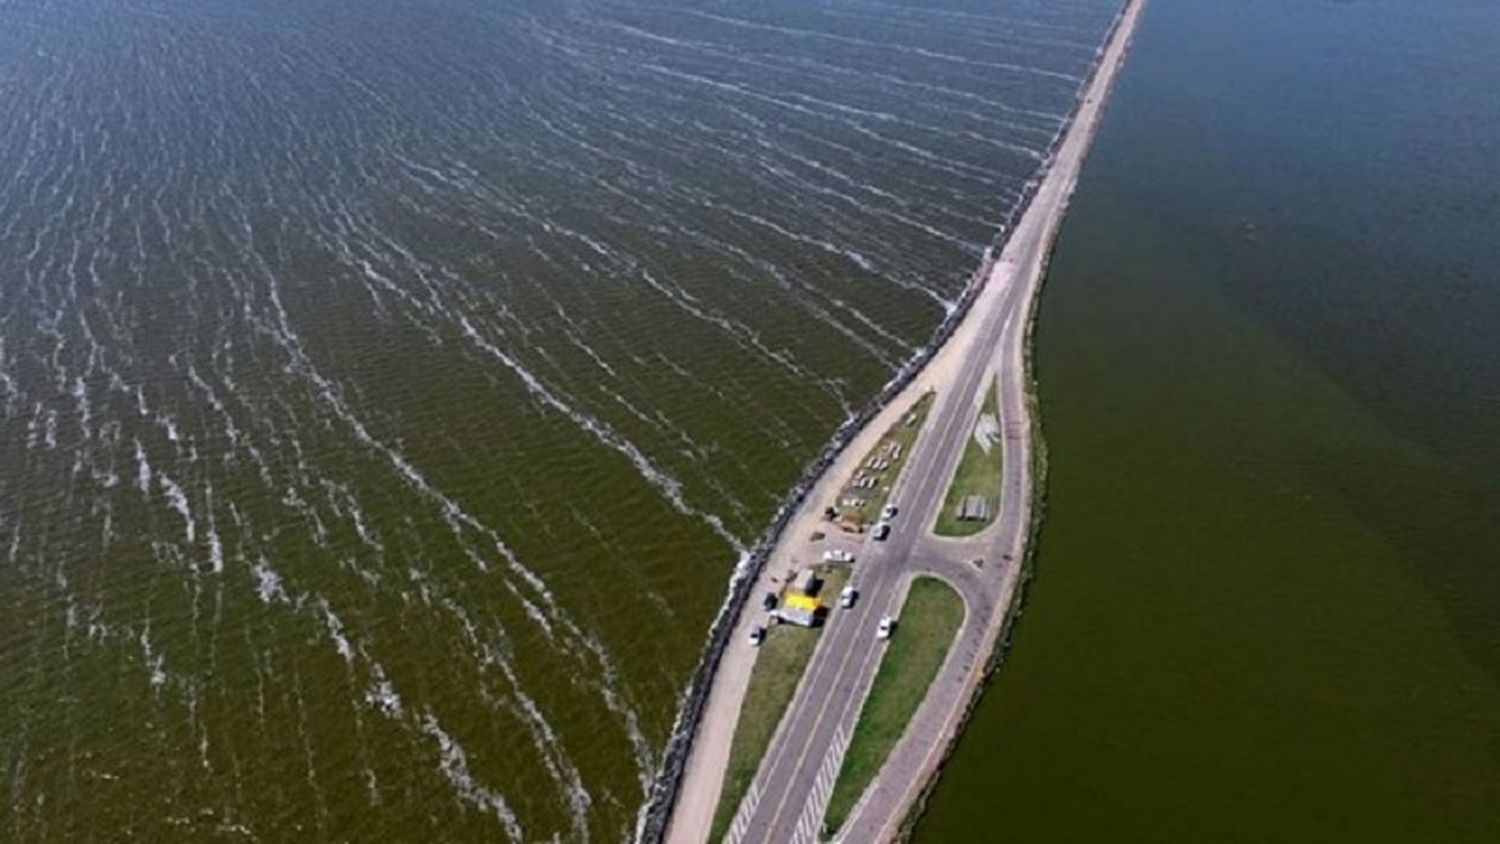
848,597
834,555
889,512
758,635
882,530
886,628
768,603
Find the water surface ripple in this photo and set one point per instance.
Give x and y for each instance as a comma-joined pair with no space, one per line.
388,388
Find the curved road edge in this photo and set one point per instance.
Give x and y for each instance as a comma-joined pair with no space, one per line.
681,804
904,784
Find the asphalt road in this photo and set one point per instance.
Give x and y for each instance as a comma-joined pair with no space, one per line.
786,801
790,793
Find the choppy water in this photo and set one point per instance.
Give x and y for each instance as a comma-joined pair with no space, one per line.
387,389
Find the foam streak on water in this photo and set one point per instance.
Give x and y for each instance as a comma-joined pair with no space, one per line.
388,389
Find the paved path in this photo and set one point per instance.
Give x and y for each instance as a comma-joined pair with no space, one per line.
790,793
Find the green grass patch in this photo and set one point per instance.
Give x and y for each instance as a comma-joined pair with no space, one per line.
978,473
778,668
924,633
898,440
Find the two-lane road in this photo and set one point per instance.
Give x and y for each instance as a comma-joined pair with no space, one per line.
792,788
789,795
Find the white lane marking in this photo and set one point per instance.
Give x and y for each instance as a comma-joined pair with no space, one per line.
742,817
812,812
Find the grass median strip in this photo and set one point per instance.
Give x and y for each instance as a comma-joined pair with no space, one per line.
778,668
925,630
978,474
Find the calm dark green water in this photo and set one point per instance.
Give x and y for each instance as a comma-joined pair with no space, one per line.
388,388
1268,597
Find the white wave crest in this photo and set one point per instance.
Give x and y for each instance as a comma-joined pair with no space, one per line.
454,764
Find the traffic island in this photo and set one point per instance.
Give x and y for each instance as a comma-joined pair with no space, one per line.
973,497
925,631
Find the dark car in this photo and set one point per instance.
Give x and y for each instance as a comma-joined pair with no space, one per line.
768,603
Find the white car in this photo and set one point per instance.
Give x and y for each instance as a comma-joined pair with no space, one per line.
887,626
882,530
848,597
888,513
834,555
757,635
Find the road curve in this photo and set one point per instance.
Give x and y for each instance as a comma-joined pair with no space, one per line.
790,792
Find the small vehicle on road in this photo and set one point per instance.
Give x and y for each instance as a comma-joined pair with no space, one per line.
882,531
848,596
835,555
757,635
768,603
889,512
886,628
